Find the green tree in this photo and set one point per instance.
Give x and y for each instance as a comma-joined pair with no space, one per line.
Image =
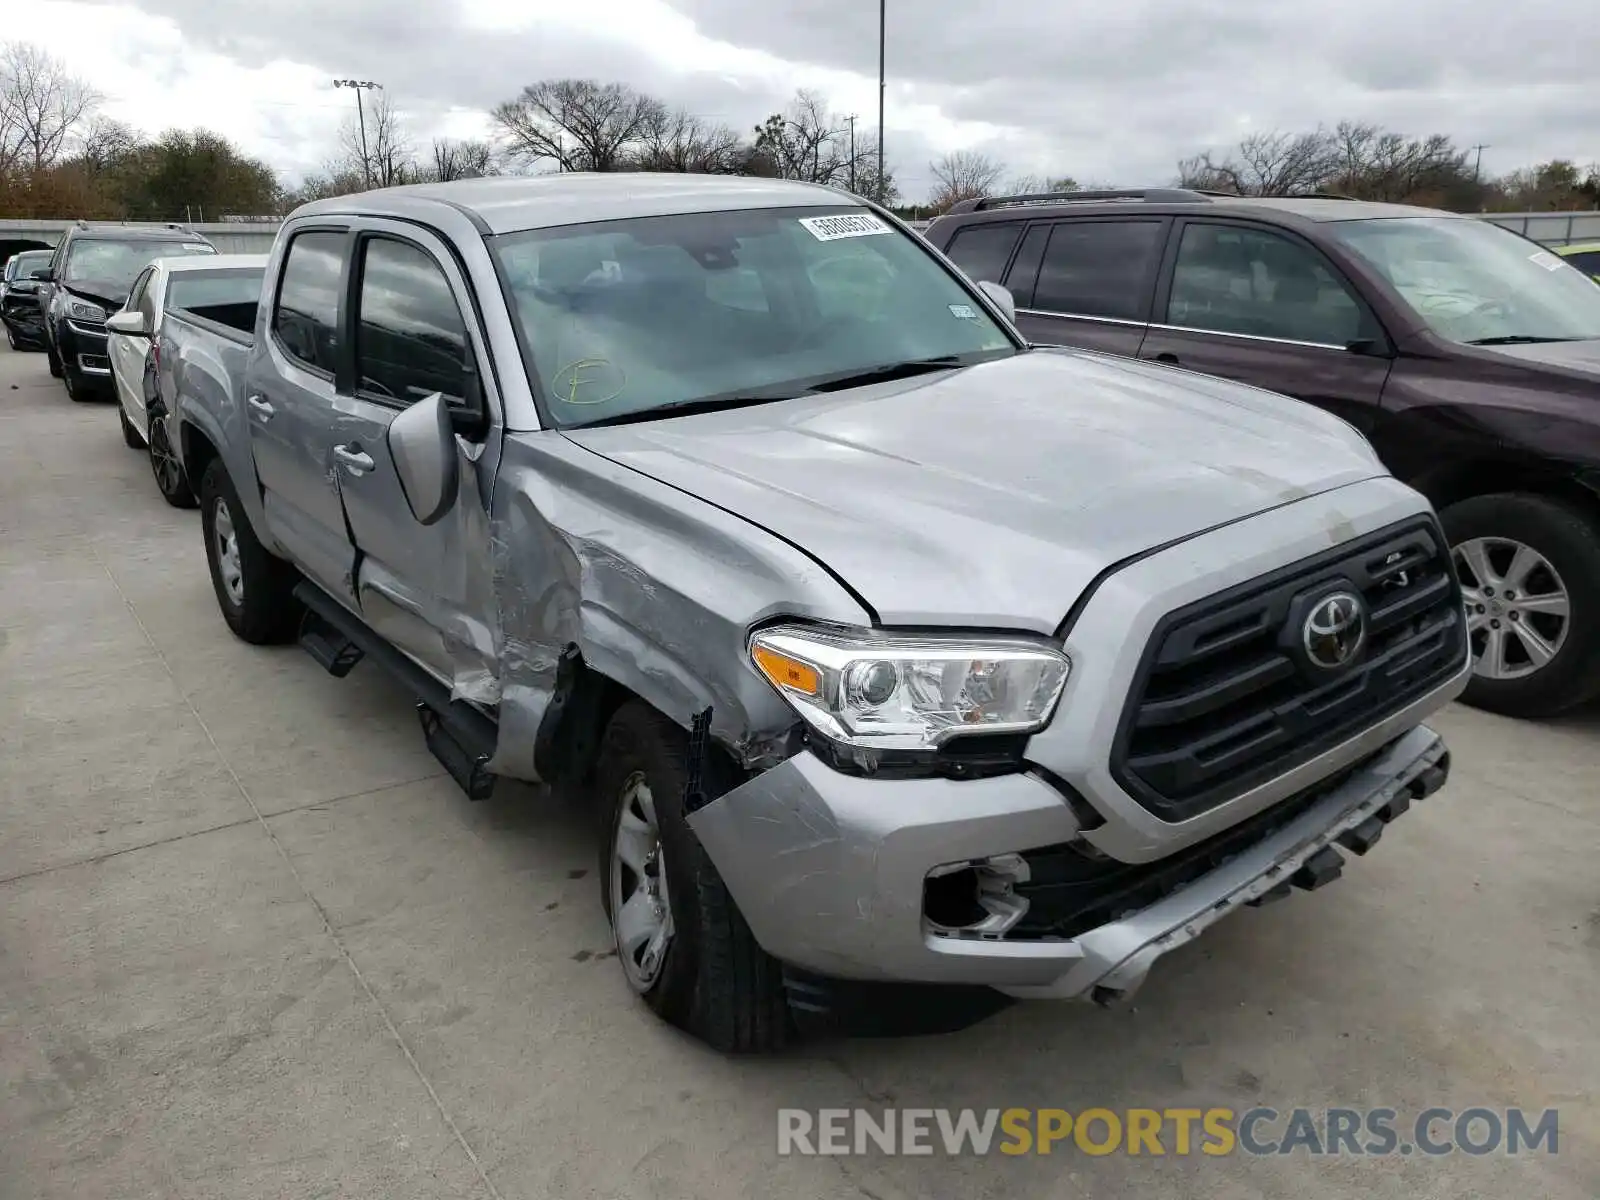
195,175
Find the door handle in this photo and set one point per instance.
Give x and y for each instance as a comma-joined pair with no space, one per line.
1166,356
260,406
355,460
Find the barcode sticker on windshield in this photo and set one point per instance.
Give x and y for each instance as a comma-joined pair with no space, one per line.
1546,260
829,229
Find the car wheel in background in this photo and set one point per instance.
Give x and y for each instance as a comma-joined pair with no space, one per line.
170,477
53,358
254,590
684,947
11,339
72,380
1530,577
130,435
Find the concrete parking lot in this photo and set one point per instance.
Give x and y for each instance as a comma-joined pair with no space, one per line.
253,943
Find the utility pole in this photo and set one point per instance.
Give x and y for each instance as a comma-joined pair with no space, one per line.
1477,167
883,24
852,119
361,85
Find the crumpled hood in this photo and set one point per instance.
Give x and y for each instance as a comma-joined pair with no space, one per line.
107,293
994,495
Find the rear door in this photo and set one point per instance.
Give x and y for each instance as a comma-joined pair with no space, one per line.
1265,307
1088,281
290,407
414,332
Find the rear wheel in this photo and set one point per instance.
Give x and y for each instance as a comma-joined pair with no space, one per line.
171,479
1530,577
684,947
130,435
254,590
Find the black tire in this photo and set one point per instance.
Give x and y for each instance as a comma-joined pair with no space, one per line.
53,359
171,479
11,339
73,381
715,981
1570,542
130,435
266,611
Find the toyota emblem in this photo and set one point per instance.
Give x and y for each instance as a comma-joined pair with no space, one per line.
1334,631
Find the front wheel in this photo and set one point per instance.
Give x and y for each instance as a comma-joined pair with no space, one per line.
1530,578
53,359
254,590
683,944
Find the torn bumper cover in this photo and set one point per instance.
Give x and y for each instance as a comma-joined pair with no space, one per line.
831,870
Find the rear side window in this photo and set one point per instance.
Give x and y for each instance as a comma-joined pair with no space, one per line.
306,319
1098,268
202,289
411,340
982,251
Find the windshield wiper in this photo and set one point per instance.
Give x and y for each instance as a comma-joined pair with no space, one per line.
687,408
886,372
1516,339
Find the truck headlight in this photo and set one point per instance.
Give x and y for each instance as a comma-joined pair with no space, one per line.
84,311
880,691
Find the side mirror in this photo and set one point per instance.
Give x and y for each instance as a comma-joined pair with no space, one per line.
129,321
422,445
1002,299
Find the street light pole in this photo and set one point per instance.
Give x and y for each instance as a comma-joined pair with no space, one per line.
361,85
883,19
852,119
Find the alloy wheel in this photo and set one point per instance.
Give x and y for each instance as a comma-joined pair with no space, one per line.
168,471
1518,608
228,564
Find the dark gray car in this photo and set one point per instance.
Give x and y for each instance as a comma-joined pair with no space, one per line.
889,650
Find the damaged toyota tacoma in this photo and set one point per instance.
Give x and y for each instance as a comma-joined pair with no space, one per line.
908,667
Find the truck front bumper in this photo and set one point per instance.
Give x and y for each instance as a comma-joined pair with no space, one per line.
831,871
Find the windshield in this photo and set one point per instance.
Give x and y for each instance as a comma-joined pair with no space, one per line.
1473,281
119,262
626,317
23,264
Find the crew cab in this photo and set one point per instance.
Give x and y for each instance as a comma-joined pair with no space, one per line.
907,667
1468,355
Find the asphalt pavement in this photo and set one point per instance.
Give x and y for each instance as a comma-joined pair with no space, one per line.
254,944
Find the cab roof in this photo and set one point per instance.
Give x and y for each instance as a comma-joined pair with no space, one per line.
509,204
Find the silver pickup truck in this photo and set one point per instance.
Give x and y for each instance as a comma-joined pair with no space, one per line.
909,667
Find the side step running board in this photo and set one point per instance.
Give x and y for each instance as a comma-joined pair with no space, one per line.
459,736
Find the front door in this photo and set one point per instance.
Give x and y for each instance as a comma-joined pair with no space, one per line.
425,588
128,354
1262,308
290,407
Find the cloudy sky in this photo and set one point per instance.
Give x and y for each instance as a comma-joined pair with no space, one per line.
1105,92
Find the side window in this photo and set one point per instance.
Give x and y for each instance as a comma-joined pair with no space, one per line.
1098,268
982,251
306,319
410,338
1587,261
1233,280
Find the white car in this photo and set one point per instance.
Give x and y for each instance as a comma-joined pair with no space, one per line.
212,288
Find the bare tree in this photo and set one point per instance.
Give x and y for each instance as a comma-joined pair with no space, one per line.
577,124
1266,164
389,155
105,142
963,175
41,104
461,160
1029,185
679,141
806,141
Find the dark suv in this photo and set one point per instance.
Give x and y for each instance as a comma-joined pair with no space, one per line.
91,273
1468,355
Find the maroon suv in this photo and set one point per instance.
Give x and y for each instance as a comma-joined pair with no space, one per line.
1468,355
